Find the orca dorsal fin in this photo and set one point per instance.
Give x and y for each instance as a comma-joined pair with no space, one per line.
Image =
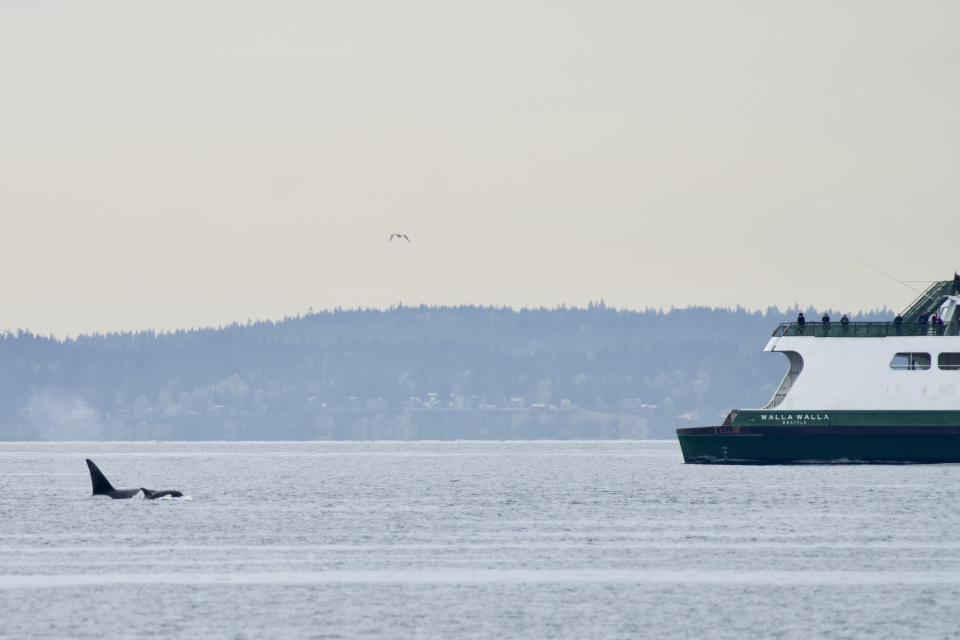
100,482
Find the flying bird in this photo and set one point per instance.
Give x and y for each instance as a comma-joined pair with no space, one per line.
398,235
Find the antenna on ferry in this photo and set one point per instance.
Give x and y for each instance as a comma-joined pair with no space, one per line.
903,282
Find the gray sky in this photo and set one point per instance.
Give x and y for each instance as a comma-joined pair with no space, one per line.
179,164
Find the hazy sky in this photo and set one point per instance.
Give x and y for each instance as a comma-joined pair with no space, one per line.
187,163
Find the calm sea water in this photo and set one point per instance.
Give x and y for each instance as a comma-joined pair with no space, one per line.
471,540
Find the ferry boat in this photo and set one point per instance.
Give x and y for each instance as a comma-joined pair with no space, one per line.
855,392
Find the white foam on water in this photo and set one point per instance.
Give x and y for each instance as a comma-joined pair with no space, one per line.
489,576
467,546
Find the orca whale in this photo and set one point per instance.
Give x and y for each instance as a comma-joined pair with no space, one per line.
102,487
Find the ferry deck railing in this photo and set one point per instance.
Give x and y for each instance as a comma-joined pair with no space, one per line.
867,329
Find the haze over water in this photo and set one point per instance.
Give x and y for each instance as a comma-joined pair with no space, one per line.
469,539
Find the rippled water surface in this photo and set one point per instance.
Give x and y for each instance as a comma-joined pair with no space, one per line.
472,540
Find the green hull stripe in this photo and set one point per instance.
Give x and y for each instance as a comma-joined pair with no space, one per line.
810,417
820,447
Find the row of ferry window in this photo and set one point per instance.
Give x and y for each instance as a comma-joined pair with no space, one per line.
921,361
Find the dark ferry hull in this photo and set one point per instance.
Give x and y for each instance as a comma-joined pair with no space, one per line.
820,444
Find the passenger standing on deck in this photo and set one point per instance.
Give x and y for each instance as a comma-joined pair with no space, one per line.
826,322
898,324
845,323
923,323
802,322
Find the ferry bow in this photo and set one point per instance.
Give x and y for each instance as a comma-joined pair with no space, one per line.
854,392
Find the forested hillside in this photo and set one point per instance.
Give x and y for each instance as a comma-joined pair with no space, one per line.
406,372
